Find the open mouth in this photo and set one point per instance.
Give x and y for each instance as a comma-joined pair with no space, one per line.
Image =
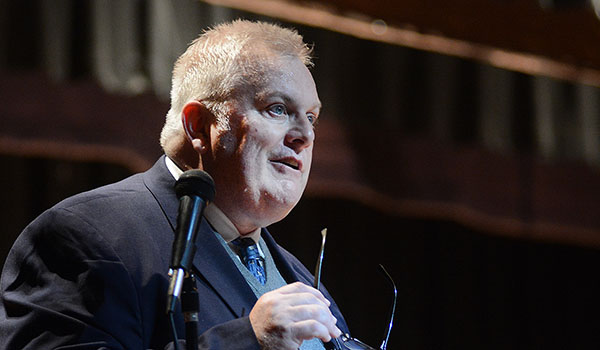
289,162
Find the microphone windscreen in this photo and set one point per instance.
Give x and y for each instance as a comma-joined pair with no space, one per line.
196,183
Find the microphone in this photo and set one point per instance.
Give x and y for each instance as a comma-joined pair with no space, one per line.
195,189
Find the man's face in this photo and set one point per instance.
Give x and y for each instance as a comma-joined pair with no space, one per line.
261,164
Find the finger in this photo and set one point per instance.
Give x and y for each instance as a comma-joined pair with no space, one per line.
278,301
298,287
317,313
310,329
299,299
311,312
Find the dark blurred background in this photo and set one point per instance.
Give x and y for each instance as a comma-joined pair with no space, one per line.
459,146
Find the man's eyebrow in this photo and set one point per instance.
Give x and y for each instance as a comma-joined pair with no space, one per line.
261,96
285,97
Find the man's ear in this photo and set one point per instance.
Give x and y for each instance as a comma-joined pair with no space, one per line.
196,119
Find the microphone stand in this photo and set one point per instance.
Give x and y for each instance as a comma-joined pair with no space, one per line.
190,306
195,189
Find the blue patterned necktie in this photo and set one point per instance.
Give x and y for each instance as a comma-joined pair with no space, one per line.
251,257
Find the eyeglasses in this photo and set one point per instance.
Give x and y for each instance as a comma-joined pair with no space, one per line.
345,341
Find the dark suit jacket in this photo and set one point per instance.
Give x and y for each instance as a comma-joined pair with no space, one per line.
91,273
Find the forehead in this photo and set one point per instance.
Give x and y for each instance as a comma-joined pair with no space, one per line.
284,77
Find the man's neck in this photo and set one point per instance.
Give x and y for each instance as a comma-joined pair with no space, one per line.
221,222
215,216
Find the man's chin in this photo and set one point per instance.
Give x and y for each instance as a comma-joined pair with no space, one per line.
277,207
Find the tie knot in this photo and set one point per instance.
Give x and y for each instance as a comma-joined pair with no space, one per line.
248,248
251,257
244,242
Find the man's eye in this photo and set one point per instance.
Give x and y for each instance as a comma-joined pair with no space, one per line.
313,119
278,110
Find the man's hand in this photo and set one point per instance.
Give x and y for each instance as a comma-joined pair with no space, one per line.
282,319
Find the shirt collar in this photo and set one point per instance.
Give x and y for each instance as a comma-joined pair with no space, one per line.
174,169
217,219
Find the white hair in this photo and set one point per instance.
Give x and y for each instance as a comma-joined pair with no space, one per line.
219,60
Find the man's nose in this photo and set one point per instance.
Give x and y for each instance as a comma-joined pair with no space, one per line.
300,135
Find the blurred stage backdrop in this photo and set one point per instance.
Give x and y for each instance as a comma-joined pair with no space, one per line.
459,146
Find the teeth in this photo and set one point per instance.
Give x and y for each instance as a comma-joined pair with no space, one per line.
291,163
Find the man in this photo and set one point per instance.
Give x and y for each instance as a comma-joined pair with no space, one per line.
91,273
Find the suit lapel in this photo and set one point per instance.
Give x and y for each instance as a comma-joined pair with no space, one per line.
161,184
221,272
212,263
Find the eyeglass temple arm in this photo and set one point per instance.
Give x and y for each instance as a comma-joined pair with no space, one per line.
317,283
392,310
334,344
